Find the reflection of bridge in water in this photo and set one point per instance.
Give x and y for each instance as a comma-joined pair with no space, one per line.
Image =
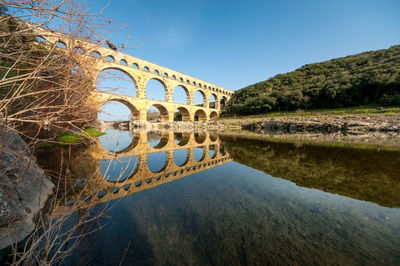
100,190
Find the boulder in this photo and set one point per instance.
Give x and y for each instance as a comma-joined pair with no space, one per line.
24,188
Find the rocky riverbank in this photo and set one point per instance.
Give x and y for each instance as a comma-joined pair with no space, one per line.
329,124
24,188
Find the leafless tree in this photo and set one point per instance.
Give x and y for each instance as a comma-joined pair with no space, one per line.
44,92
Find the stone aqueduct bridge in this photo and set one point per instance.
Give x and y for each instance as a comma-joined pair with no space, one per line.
94,58
99,190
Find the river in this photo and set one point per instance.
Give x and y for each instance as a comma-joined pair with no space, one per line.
220,199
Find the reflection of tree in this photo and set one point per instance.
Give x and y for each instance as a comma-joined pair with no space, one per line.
329,169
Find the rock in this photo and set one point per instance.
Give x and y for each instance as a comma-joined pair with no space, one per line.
24,188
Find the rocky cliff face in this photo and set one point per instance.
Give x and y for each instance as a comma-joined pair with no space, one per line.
24,188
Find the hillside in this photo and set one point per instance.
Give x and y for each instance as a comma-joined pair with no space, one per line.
366,78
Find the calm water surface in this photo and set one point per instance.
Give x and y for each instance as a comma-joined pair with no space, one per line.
204,199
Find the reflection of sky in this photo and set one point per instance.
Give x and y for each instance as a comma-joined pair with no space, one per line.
211,152
234,204
198,153
118,169
156,161
116,140
180,156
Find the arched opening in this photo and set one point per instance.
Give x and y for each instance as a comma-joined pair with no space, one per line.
146,69
156,72
157,139
213,115
181,95
165,75
96,54
157,162
156,90
116,81
123,62
40,39
157,113
182,138
116,111
118,170
61,44
199,154
116,140
114,119
200,116
199,98
134,65
223,101
213,137
110,58
213,102
181,157
212,151
181,114
200,137
222,151
173,77
79,50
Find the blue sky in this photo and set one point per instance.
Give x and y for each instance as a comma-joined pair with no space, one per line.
237,43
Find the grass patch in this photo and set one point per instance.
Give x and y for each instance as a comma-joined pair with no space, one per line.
69,138
93,132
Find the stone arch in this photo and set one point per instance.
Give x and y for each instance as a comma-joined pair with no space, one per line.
213,115
176,96
200,137
156,72
184,113
154,169
110,58
123,62
223,101
40,39
164,138
134,111
116,171
200,115
146,68
163,112
213,137
213,101
197,154
165,75
176,154
199,94
79,50
118,78
95,54
212,151
183,138
134,65
61,44
150,85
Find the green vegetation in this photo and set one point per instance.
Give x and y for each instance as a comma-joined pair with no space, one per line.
70,138
356,110
362,79
93,132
